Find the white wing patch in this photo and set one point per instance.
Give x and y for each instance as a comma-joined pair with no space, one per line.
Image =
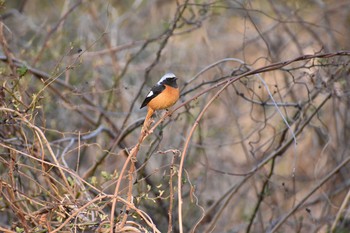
165,76
150,94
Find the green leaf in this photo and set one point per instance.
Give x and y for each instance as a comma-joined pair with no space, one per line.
70,181
93,180
22,71
19,230
106,175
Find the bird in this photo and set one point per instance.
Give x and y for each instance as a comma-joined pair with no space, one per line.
162,95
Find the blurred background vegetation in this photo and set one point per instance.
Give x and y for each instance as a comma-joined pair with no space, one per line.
269,154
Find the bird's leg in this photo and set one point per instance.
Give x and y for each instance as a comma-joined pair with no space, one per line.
168,112
148,121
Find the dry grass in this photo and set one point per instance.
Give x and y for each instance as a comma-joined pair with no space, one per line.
259,141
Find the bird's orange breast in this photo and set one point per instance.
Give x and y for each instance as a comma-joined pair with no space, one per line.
166,99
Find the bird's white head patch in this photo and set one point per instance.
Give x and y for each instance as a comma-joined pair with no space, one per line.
165,76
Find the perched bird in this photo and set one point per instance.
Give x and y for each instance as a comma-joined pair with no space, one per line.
162,95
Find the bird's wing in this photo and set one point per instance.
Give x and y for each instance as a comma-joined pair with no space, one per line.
156,90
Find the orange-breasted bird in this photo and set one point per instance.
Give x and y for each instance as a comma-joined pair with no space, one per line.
162,95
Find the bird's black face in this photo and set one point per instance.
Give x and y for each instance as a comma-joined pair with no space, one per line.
170,82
